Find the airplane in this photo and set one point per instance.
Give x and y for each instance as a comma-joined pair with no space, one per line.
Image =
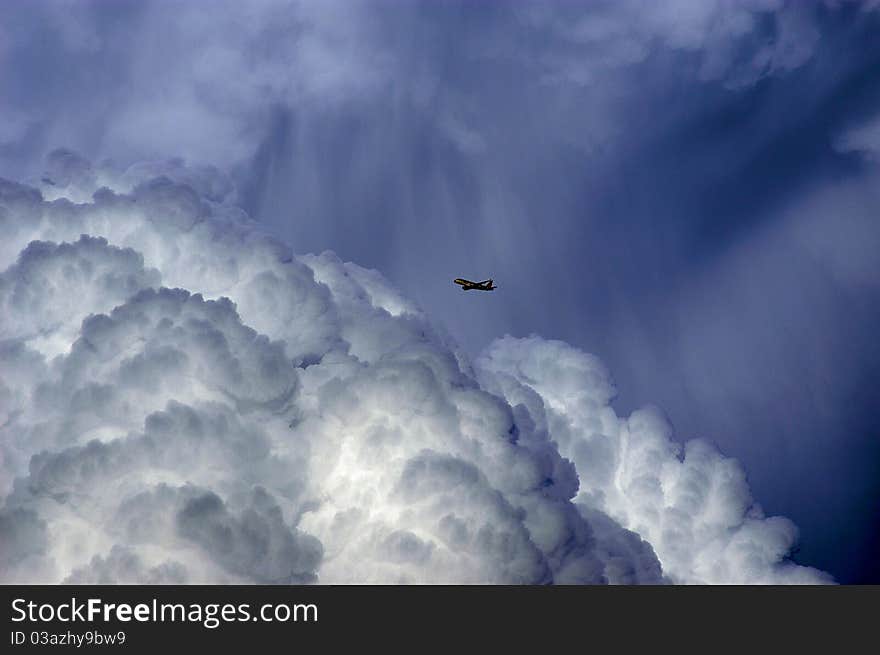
467,285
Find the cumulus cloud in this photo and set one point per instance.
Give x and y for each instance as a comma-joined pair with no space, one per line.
692,504
184,400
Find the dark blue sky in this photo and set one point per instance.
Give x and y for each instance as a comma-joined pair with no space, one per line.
687,190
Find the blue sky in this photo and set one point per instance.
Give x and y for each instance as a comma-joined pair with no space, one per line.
688,190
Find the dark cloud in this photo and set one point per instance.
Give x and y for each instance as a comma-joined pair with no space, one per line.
23,535
123,566
682,188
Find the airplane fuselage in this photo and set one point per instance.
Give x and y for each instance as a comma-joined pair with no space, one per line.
467,285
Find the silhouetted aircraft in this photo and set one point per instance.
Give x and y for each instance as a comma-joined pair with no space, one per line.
467,285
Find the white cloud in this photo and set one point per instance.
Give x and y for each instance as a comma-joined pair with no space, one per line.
691,504
264,417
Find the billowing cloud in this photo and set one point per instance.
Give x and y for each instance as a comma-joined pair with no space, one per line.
690,503
184,400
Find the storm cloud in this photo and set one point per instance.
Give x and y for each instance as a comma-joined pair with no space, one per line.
685,188
151,434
